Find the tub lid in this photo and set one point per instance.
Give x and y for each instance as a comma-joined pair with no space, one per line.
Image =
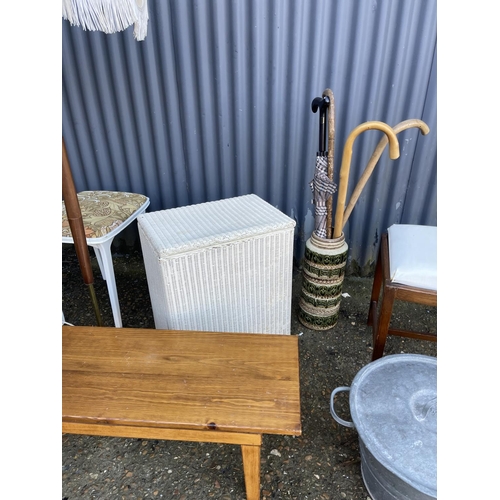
393,404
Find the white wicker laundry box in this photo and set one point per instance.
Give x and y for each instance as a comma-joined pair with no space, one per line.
220,266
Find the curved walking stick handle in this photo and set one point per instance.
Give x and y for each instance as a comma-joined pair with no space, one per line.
319,103
346,165
322,104
377,153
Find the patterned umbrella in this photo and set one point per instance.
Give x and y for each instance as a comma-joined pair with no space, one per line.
322,185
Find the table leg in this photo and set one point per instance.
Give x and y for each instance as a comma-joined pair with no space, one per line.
251,468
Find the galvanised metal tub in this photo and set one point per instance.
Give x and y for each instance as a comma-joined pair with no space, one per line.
393,406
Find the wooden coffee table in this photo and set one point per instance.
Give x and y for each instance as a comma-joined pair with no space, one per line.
182,385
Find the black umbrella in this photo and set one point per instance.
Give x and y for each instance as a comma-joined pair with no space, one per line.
322,184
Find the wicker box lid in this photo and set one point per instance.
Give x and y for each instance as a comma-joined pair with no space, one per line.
215,223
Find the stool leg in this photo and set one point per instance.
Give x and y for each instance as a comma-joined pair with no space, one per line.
251,467
106,264
382,328
100,262
377,284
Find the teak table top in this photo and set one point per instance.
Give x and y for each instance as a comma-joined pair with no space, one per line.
232,382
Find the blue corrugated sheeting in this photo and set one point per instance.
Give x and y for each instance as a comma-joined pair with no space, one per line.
216,103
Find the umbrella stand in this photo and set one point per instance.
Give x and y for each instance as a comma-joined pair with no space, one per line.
325,258
77,230
326,255
322,278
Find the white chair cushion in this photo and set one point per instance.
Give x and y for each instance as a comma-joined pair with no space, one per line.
413,255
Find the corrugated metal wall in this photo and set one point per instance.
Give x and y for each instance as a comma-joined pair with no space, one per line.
216,103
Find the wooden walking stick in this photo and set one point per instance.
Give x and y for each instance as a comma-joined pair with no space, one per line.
331,145
346,165
77,230
374,160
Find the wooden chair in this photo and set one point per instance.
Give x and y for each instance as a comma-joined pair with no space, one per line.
406,270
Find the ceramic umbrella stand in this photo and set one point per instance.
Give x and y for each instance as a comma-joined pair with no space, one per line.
323,275
325,256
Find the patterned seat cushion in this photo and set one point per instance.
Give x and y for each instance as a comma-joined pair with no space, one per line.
103,211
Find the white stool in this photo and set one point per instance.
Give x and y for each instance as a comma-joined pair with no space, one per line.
406,270
105,214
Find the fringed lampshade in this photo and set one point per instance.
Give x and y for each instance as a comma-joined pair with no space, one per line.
108,16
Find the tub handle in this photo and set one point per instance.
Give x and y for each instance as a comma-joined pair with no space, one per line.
345,423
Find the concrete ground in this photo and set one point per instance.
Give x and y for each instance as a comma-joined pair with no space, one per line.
322,464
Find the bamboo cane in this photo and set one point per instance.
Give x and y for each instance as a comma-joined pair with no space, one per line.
404,125
331,145
346,165
77,230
